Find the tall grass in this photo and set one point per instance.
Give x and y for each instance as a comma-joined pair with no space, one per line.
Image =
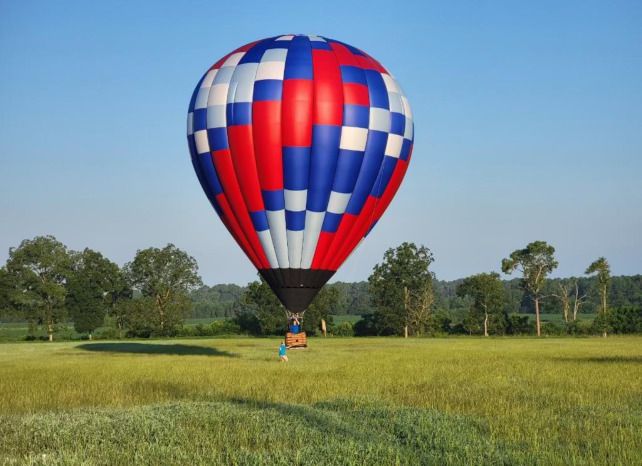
367,400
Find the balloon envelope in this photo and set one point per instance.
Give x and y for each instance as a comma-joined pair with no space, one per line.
300,143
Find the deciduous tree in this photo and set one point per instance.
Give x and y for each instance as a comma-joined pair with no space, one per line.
603,270
165,276
39,268
321,308
578,299
402,289
562,295
265,315
487,293
88,289
119,297
535,262
5,292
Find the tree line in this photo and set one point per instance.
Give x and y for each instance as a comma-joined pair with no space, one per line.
51,287
403,296
48,285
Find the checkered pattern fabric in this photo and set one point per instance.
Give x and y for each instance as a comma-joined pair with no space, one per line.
300,143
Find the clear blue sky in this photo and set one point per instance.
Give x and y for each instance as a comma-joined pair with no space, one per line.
528,120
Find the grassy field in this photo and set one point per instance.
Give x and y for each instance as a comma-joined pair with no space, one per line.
341,401
336,320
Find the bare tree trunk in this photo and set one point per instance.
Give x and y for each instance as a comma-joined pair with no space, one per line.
90,336
161,311
485,324
565,301
577,302
50,323
604,308
537,315
406,297
323,328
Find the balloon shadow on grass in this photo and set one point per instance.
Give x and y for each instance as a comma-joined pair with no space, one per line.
151,348
326,421
604,359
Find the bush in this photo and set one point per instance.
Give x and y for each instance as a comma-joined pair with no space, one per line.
578,328
224,327
601,324
625,319
516,324
218,327
139,332
36,338
345,329
171,331
553,329
200,331
572,327
365,327
497,324
247,322
110,333
438,323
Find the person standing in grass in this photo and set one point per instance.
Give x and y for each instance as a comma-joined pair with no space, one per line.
282,355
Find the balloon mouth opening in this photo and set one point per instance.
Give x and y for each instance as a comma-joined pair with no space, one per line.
296,288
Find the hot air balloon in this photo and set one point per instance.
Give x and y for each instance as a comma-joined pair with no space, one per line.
300,143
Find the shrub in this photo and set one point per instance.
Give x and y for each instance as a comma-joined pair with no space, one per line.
110,333
200,331
139,332
247,322
170,331
572,327
458,329
365,326
225,327
625,319
437,323
345,329
601,323
553,329
497,324
516,324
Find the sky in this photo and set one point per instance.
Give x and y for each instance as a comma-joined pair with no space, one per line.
528,126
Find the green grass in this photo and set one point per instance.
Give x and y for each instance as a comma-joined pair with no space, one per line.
341,401
339,319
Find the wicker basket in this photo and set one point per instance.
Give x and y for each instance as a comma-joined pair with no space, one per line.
296,340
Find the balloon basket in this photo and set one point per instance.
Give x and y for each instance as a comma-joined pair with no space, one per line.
296,340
